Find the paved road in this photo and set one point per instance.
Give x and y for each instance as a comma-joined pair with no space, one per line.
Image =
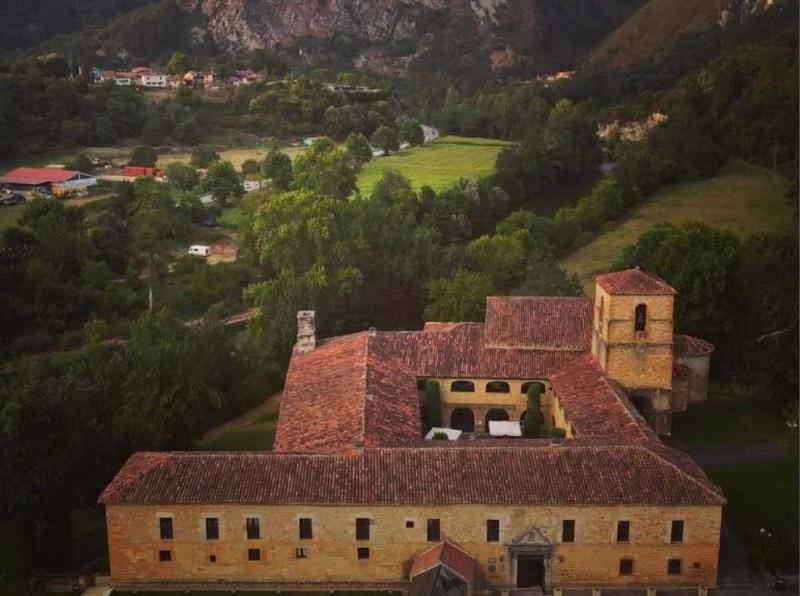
719,455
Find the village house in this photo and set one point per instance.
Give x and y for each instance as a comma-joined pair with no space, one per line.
353,496
50,181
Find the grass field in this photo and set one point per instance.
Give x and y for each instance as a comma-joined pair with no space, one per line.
236,156
760,495
438,165
742,198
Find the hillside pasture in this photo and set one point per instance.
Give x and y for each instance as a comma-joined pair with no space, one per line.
743,198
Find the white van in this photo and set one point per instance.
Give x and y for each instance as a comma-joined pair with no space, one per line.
199,250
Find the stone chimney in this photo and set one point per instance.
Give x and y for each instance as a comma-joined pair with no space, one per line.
306,331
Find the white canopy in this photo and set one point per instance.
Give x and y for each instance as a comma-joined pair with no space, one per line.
452,433
504,428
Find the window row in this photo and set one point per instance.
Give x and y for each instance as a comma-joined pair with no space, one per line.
305,529
623,533
674,566
494,387
254,554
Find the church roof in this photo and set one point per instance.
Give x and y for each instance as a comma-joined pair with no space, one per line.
539,322
558,474
634,282
686,346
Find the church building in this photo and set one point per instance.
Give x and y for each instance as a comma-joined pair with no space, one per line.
354,497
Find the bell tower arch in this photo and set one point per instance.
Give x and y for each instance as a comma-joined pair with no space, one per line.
632,338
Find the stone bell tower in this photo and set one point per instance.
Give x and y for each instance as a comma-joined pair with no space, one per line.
632,339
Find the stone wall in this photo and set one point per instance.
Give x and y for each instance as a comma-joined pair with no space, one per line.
592,560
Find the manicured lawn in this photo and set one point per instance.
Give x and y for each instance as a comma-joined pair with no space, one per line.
438,165
743,198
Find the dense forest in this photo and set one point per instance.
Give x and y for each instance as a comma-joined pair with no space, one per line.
101,360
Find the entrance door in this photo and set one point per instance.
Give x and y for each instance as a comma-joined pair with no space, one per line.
463,419
530,571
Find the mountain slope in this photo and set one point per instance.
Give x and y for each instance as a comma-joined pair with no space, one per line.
661,22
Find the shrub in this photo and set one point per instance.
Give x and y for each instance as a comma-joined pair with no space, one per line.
533,415
556,433
144,156
434,399
440,436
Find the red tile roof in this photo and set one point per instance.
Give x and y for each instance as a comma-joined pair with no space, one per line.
461,352
536,322
634,282
445,553
345,394
597,408
35,176
686,346
586,475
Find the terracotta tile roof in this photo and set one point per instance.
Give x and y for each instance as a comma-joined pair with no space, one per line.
537,322
461,352
587,475
37,176
344,394
686,346
597,408
633,282
445,553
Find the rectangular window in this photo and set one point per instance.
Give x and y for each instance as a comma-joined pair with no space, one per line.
433,530
409,523
301,553
623,531
253,528
212,528
568,530
363,553
306,532
164,555
362,528
492,530
253,554
626,566
674,567
212,558
165,527
676,532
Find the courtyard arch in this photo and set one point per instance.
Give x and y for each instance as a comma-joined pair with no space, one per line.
463,419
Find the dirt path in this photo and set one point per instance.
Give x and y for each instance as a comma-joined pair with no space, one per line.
271,404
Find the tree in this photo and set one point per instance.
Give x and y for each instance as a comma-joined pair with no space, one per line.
326,170
459,298
251,167
433,400
411,132
178,63
385,138
501,258
80,163
223,182
358,147
181,175
203,156
144,156
531,426
277,168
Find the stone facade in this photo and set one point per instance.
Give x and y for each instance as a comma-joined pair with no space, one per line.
593,559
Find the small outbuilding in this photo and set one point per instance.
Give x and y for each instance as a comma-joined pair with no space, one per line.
55,181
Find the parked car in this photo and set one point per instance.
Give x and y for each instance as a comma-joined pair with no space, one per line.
199,250
11,199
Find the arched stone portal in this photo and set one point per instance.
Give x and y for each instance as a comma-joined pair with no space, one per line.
463,419
495,414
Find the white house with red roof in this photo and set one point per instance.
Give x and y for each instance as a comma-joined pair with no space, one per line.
55,181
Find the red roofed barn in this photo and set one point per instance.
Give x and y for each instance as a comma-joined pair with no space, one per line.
55,181
353,496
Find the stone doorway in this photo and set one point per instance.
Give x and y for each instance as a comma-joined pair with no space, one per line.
530,571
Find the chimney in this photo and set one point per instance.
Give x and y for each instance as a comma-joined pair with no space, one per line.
306,331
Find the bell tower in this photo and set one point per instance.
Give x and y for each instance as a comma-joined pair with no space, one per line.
632,339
